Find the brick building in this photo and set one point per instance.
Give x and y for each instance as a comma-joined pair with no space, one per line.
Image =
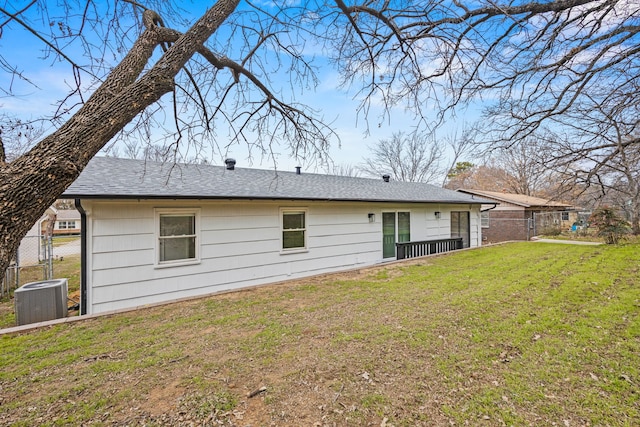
514,218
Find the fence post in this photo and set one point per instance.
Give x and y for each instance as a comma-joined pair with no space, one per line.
17,268
50,257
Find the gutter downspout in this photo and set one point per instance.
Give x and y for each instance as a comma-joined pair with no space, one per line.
492,207
83,257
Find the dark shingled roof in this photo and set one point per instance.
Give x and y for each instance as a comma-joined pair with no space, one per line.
108,177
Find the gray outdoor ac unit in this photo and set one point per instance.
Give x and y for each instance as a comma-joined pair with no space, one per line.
41,301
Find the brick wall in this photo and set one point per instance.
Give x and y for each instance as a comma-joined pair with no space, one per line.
507,225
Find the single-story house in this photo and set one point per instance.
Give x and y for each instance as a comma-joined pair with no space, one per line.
154,232
518,216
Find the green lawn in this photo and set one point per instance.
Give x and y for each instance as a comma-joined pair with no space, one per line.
520,334
68,267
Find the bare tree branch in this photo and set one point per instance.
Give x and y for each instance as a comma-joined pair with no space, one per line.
413,158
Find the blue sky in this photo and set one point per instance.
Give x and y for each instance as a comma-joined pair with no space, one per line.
52,80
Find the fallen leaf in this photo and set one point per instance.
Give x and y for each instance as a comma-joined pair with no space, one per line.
625,377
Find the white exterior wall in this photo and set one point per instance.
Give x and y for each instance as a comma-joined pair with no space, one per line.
239,245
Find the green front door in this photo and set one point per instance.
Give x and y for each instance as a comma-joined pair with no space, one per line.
395,228
388,234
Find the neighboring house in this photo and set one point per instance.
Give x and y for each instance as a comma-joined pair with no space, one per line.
157,232
514,218
31,250
67,222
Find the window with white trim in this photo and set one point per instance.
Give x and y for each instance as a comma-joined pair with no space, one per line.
66,225
177,237
294,229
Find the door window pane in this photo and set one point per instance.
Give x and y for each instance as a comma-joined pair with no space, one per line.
460,227
388,234
404,227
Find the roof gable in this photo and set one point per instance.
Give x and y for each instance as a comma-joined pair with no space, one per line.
67,214
108,177
516,199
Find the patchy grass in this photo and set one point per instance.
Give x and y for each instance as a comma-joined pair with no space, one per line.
520,334
68,267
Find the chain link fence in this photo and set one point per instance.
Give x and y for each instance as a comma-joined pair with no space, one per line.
554,223
34,260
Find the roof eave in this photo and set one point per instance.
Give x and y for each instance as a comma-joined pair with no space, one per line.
201,197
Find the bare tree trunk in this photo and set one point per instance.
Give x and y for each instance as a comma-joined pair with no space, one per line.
32,183
635,216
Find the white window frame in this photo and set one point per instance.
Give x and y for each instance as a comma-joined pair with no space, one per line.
195,212
67,224
283,212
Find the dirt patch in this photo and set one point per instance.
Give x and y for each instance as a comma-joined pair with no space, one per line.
163,399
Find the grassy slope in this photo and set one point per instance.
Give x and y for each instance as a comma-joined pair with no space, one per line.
521,334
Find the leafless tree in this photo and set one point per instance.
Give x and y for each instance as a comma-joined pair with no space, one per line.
405,157
599,157
624,194
526,164
344,169
127,65
458,147
16,137
547,65
481,177
612,181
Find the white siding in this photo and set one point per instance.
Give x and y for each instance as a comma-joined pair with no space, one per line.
239,245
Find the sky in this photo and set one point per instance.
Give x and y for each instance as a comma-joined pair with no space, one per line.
50,81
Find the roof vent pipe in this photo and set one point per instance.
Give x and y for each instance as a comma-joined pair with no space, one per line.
231,164
386,177
298,170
